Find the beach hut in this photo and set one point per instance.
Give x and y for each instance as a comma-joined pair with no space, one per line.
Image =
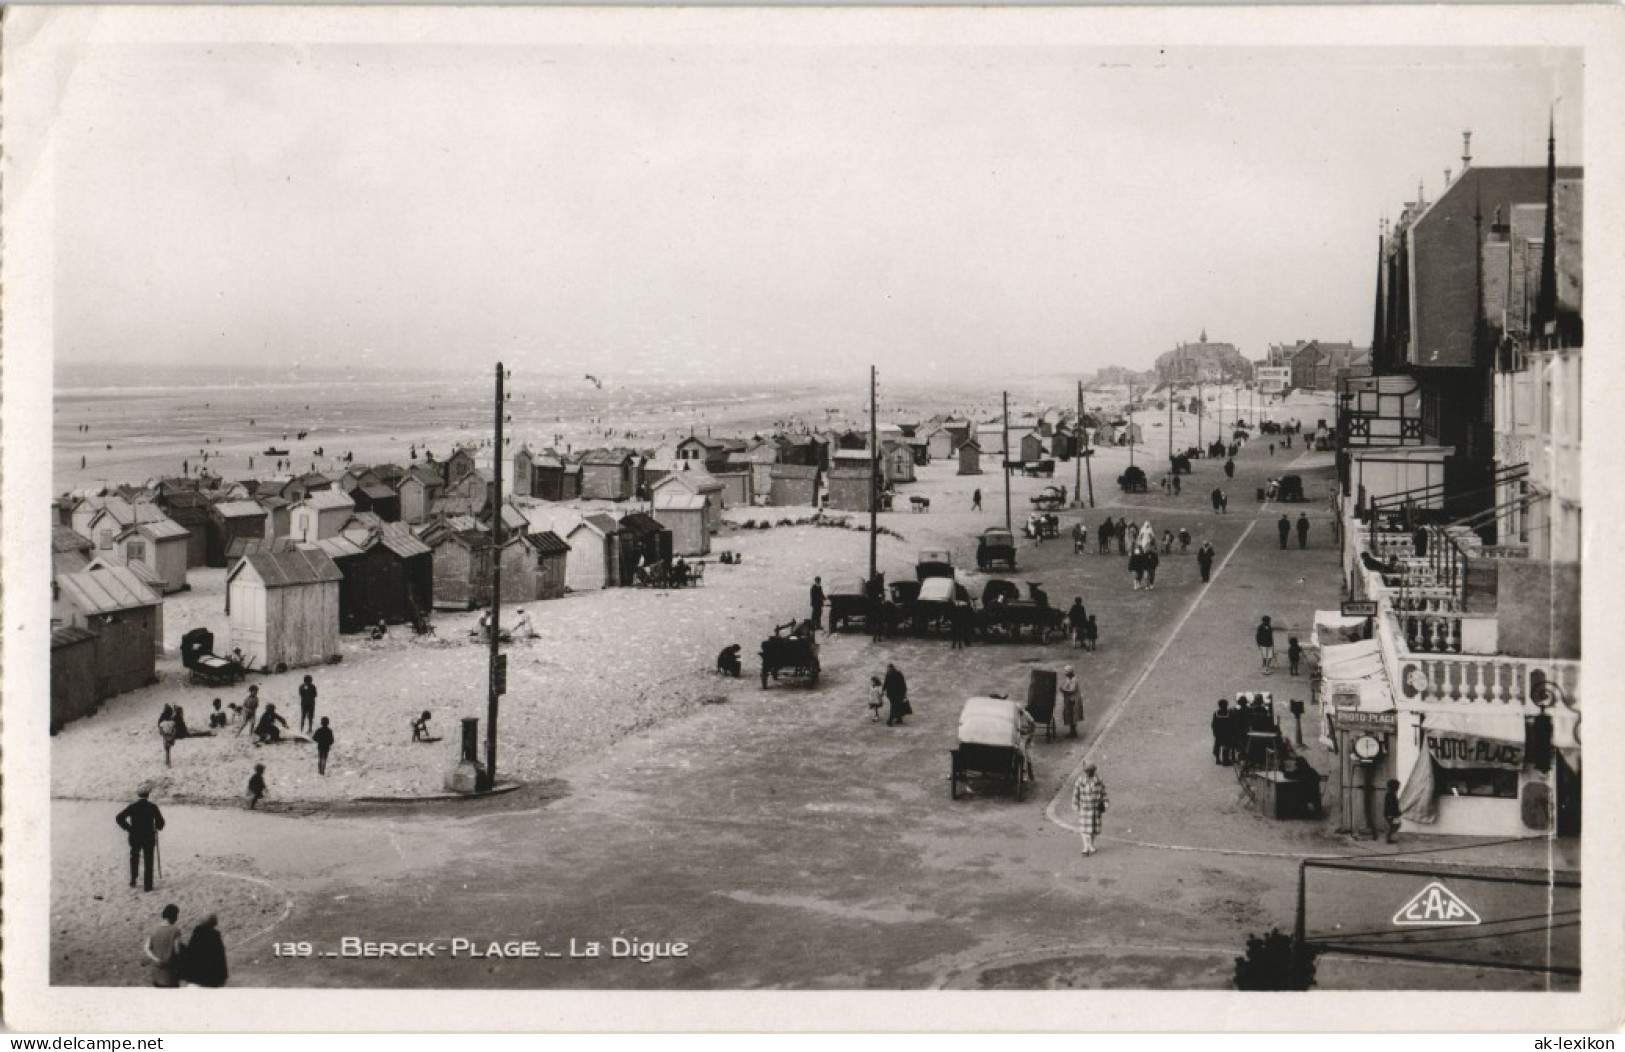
230,520
278,518
462,570
738,488
684,513
697,447
460,463
73,674
284,607
991,438
939,442
473,487
388,576
418,490
189,508
523,483
609,474
896,461
127,617
1032,447
794,484
83,510
851,481
970,457
551,567
320,515
758,457
70,552
701,484
115,516
299,487
644,542
554,478
370,493
593,552
160,546
806,450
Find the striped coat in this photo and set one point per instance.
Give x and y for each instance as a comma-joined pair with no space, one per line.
1090,800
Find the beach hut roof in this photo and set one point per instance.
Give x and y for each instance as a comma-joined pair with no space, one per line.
106,589
68,635
606,457
640,524
64,539
242,546
604,522
376,490
293,566
328,500
238,509
678,500
548,543
157,530
145,574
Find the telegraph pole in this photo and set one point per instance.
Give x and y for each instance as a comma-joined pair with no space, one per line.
874,476
1088,453
1005,443
1077,449
497,669
1201,411
1131,423
1170,426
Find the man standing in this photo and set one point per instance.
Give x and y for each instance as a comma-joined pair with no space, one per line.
307,705
1303,530
1230,467
1217,496
164,948
976,501
1264,636
1284,528
895,687
1390,808
324,745
1122,536
1071,699
1089,799
1204,560
1150,561
1077,619
817,596
141,820
1220,724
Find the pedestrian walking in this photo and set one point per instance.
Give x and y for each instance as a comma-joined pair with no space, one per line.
817,597
1091,633
1080,538
1167,542
1272,449
1071,701
203,959
1176,483
1224,503
1204,560
256,786
1147,540
896,690
1230,465
1150,561
976,501
1284,528
141,821
1294,654
877,695
1217,497
1220,724
1136,566
1076,619
307,704
1089,800
1107,531
1303,530
1122,536
163,949
324,745
960,618
1390,808
1264,636
1184,540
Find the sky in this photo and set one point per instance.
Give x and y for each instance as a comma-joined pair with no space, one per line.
794,208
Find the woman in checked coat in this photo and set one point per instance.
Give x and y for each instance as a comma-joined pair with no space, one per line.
1089,798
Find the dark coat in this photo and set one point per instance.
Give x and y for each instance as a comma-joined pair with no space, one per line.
1204,555
1221,725
141,820
1284,528
323,738
895,686
203,962
1264,635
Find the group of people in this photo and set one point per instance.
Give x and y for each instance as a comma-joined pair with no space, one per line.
266,725
178,959
1284,528
891,691
1232,727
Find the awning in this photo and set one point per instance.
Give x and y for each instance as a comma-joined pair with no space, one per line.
1355,668
1332,628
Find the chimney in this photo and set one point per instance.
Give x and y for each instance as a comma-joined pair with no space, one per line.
1466,149
1447,177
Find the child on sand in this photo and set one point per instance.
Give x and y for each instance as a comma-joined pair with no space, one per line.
1294,654
877,697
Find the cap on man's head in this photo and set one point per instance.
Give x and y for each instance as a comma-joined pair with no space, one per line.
1088,768
144,791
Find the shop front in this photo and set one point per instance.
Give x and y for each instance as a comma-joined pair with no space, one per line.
1359,724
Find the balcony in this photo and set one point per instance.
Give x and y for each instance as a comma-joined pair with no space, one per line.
1443,678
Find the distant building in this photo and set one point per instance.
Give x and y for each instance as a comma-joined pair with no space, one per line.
1203,362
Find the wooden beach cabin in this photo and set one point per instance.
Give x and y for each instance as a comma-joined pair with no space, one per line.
284,608
73,674
852,481
159,545
554,478
127,617
190,508
991,438
896,461
684,513
609,474
462,570
70,551
738,488
1031,447
388,576
550,566
593,554
278,515
231,520
701,484
420,487
370,493
794,484
970,457
644,542
320,515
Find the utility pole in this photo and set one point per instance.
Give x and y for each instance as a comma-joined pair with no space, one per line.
497,668
1005,444
1088,451
1201,411
1170,426
1131,423
874,476
1077,449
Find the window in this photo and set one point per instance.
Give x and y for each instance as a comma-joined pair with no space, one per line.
135,551
1473,781
104,540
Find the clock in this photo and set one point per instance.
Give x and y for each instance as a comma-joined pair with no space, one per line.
1367,748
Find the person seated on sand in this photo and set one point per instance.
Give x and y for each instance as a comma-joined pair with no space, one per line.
380,630
266,730
522,628
679,572
728,663
181,730
217,718
420,727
